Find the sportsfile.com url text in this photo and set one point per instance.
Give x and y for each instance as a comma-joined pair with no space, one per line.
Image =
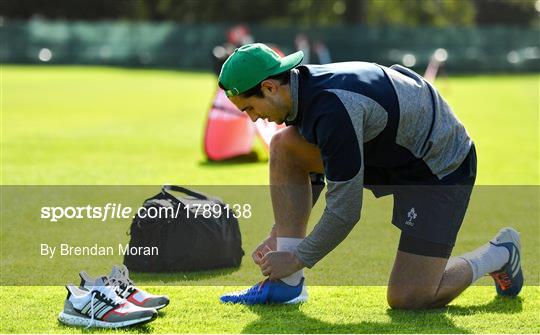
118,211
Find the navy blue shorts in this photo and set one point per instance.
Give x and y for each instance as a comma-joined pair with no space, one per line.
428,211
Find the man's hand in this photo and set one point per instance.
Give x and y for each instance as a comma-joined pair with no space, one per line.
279,264
270,244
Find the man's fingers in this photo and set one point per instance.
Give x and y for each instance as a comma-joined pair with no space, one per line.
257,257
265,262
267,255
265,265
260,252
266,250
266,270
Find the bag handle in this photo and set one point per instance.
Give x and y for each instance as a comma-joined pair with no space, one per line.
166,188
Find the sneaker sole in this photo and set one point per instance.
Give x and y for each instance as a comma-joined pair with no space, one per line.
156,307
74,320
297,300
151,307
303,297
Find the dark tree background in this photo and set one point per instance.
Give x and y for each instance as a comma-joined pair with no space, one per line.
275,12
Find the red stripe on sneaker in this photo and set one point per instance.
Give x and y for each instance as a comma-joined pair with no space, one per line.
136,302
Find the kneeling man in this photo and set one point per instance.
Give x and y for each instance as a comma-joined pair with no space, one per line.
361,125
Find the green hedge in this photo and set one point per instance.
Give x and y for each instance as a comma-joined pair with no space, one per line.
494,49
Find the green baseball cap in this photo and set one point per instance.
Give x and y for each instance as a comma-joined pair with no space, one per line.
252,63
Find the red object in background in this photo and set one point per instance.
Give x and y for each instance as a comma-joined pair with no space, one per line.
230,133
239,35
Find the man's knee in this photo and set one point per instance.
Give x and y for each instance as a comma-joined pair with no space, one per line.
415,280
403,298
288,148
282,142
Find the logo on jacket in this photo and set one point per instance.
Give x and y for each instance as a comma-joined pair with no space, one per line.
411,215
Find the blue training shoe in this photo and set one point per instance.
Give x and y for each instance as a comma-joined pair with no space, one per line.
268,292
509,279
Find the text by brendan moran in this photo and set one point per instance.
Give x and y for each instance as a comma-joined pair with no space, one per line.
65,249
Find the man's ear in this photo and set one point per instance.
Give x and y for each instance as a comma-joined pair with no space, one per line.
269,86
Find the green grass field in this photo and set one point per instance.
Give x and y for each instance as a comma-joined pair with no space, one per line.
108,126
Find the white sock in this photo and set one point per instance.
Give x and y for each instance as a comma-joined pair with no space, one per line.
290,244
486,259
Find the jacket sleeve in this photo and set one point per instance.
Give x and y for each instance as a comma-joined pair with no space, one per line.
339,137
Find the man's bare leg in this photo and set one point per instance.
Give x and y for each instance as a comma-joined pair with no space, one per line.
419,282
292,158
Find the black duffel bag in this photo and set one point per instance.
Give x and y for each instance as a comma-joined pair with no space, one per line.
188,241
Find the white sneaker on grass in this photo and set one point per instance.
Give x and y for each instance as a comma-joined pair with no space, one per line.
99,306
126,289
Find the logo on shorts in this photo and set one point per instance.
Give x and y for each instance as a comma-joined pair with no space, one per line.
411,215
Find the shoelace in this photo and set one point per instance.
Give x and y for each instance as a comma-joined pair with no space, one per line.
92,317
113,281
261,284
124,277
108,290
503,279
109,297
122,281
